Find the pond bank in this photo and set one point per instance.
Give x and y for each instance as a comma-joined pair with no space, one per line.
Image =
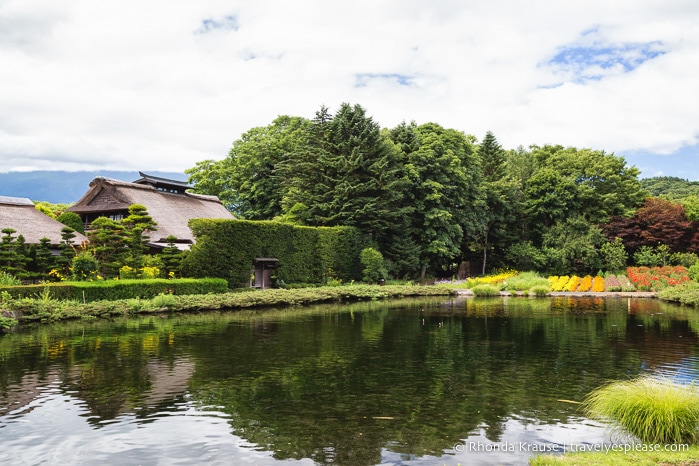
577,294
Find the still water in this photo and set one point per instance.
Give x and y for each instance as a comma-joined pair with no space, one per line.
409,382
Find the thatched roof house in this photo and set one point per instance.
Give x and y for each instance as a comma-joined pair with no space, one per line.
167,201
20,214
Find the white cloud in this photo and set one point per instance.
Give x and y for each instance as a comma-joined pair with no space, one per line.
164,84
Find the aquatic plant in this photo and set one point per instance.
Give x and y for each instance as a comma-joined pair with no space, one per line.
652,409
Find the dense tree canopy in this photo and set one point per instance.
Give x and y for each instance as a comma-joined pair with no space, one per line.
429,197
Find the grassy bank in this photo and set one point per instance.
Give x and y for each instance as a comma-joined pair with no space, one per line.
47,309
643,458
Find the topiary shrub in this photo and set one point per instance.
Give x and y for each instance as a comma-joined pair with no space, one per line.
374,267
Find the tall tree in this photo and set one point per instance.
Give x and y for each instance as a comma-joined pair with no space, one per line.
440,178
658,221
348,174
249,179
500,199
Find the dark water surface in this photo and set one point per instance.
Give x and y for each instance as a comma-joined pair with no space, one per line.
411,382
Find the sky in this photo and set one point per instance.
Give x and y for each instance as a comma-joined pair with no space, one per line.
164,84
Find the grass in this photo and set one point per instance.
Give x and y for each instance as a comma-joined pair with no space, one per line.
642,458
485,290
653,410
525,281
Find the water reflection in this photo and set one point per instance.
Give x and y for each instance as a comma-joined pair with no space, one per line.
371,383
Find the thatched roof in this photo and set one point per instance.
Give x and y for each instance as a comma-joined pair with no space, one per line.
20,214
171,211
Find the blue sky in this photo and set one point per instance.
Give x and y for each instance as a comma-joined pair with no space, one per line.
163,84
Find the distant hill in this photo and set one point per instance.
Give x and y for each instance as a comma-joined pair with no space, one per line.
60,187
670,187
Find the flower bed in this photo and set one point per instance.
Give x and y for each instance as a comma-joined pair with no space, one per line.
657,278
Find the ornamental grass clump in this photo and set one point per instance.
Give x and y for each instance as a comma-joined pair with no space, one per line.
525,281
654,410
485,290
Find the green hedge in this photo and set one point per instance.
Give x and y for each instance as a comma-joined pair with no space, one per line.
118,289
227,248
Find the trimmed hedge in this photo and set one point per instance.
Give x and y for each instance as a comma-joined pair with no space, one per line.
118,289
227,248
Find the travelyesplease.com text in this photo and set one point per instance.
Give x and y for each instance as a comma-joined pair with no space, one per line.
532,447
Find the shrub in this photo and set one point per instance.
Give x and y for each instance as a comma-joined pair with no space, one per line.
85,266
685,294
651,409
693,272
120,289
8,280
374,268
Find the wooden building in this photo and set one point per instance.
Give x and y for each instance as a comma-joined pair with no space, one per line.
167,202
20,214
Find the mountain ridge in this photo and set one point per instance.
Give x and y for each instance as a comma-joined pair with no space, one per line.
63,187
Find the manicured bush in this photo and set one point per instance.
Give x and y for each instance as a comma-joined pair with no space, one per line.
374,267
118,289
226,249
654,410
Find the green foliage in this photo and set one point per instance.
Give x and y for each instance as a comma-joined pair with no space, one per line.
170,258
525,256
647,256
72,220
687,293
526,281
85,267
439,182
137,227
485,290
694,272
86,291
572,246
614,255
226,249
7,279
249,180
670,187
685,259
7,322
540,290
12,259
655,411
374,268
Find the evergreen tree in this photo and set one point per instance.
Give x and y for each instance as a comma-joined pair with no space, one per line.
171,257
108,243
12,260
348,174
500,202
44,258
137,225
65,259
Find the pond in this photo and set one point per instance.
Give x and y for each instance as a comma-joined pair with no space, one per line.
405,382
